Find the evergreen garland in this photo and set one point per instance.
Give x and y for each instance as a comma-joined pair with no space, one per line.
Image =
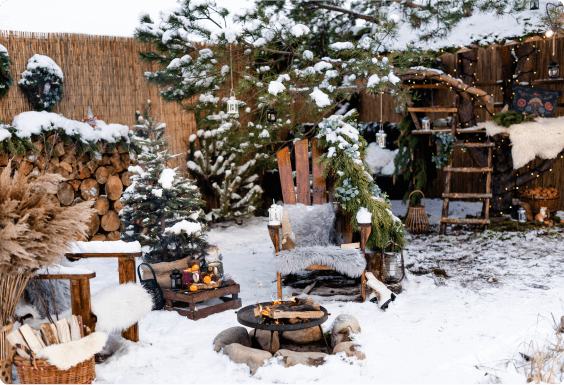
42,83
354,185
5,76
445,146
509,118
13,144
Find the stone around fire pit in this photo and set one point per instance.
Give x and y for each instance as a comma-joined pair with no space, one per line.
263,339
304,336
240,354
350,349
343,326
236,334
290,358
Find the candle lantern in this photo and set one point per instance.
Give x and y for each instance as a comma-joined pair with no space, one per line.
522,215
553,70
275,215
534,5
426,123
232,105
271,116
381,137
175,280
392,268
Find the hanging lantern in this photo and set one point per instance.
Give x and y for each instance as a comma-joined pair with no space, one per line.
381,137
232,104
534,5
426,123
553,70
175,280
392,268
275,215
522,215
271,116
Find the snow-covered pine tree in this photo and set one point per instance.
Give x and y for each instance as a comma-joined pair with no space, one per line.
163,210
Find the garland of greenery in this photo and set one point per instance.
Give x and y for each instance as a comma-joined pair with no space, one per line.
508,118
445,147
15,145
354,186
408,161
5,76
42,86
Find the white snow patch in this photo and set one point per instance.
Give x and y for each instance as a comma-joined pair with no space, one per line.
363,216
167,177
275,87
188,227
299,30
101,247
320,98
379,158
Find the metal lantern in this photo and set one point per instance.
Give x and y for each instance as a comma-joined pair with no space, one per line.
534,5
381,137
426,122
232,105
275,215
175,280
271,116
553,70
392,268
522,215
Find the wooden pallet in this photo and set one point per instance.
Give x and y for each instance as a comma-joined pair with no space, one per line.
178,301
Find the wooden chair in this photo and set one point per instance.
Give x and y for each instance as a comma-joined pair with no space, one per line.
304,196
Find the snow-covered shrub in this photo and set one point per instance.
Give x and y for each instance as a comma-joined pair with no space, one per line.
5,76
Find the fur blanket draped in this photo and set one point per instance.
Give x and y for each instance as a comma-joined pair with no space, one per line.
543,138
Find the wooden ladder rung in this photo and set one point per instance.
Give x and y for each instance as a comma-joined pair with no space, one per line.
467,221
432,109
472,145
467,196
468,169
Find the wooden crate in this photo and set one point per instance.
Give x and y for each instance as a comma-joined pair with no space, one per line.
184,302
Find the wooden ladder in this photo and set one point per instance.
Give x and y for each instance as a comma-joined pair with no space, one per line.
448,195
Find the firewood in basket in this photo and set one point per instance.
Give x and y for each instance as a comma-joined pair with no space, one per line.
16,338
49,333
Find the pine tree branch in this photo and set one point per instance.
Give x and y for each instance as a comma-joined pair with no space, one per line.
342,10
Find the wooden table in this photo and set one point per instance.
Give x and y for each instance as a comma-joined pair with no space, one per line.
80,294
126,266
181,298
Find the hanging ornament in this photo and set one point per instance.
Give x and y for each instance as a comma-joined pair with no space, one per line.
553,70
381,135
534,5
91,119
232,103
271,115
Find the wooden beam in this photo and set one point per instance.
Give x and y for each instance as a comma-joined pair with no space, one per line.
302,172
466,221
468,169
467,196
432,109
286,178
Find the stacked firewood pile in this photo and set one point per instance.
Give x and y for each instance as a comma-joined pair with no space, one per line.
297,311
102,178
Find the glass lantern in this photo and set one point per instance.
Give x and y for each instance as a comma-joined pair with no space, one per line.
271,116
392,268
232,105
553,70
175,280
275,215
381,137
426,123
534,5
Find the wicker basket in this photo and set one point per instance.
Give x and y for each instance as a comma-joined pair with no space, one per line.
44,373
417,221
536,204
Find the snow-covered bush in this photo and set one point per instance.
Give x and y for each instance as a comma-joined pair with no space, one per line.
5,76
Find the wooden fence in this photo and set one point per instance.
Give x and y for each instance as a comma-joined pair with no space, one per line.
102,72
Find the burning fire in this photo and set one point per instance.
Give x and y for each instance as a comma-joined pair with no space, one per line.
266,310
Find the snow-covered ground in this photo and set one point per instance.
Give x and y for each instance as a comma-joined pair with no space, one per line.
437,331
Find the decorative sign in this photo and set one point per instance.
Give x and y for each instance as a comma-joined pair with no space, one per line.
535,101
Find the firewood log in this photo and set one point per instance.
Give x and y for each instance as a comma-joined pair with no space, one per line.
54,162
75,183
111,170
65,166
4,160
117,206
89,189
39,145
105,160
114,188
15,338
102,204
49,333
126,178
110,221
122,149
74,328
65,194
114,236
84,158
92,165
102,175
26,167
125,159
59,149
63,331
82,172
30,337
99,238
93,225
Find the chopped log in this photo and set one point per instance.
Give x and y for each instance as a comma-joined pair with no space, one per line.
110,221
92,165
69,158
89,189
15,338
102,175
39,338
26,167
70,149
35,345
59,149
309,288
74,328
38,145
35,171
114,236
277,314
65,166
84,158
106,161
102,204
117,206
63,331
99,238
125,178
54,162
65,193
111,170
49,333
122,149
93,225
125,159
75,183
114,188
4,160
82,172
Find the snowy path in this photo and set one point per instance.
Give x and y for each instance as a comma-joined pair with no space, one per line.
431,334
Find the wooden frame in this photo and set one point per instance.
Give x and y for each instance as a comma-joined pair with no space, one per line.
302,195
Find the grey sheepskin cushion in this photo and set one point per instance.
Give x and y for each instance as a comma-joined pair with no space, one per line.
314,228
312,225
350,262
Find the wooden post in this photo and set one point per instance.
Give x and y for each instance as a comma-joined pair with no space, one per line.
127,274
365,230
80,300
274,231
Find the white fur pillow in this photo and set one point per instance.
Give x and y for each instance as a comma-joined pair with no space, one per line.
312,225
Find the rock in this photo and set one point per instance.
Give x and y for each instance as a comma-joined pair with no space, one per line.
236,334
291,358
240,354
304,336
343,326
350,349
263,339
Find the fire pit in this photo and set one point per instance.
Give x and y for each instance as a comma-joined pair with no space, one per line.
255,316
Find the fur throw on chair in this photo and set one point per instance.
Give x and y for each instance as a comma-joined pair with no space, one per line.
314,228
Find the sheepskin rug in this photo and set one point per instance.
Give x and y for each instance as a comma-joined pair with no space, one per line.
65,356
314,228
121,306
543,138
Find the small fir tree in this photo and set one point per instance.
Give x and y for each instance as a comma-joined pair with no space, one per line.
163,210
